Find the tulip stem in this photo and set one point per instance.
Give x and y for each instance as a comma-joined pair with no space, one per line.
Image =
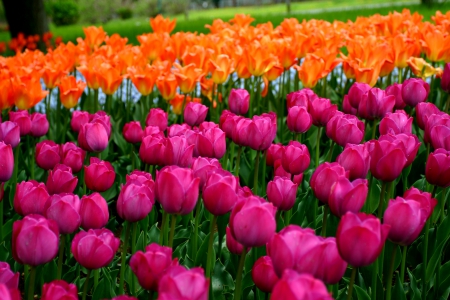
31,144
402,268
209,258
444,192
16,166
330,153
124,257
381,204
96,105
162,229
133,250
96,277
447,104
390,275
150,295
238,286
182,108
425,258
231,155
31,282
287,217
62,244
238,161
86,283
1,212
324,222
373,287
350,285
172,229
256,175
196,222
319,131
374,128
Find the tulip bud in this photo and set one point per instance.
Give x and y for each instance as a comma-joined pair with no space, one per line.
345,129
9,294
387,160
178,152
21,118
294,286
322,111
136,194
233,246
375,104
157,117
37,233
295,159
415,91
261,132
409,142
102,118
227,123
93,211
47,154
240,131
445,79
347,196
324,177
347,108
302,97
360,238
65,210
150,266
72,156
79,118
212,143
39,124
177,190
298,119
356,92
7,162
263,274
8,277
423,111
132,132
356,160
93,137
195,113
99,175
142,177
396,91
60,180
395,123
207,125
202,166
220,192
252,221
239,101
281,192
59,289
437,169
173,285
95,248
152,130
30,198
177,130
152,150
433,121
10,133
274,153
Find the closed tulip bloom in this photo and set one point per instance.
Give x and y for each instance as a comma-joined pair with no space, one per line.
227,123
263,274
47,154
21,118
79,118
132,132
30,198
410,143
440,137
345,129
61,180
415,91
298,119
302,97
195,113
396,91
281,192
192,140
356,92
332,266
102,118
59,289
274,153
375,104
422,197
187,285
360,238
296,158
72,156
99,175
9,294
39,124
322,111
240,132
437,169
445,79
93,137
395,123
8,277
157,117
35,240
356,160
207,125
323,179
150,266
141,176
178,152
252,221
433,121
10,133
151,130
347,196
152,150
239,101
233,246
347,108
136,200
93,211
95,248
177,189
211,143
387,160
177,129
202,166
220,192
7,162
261,132
295,286
65,210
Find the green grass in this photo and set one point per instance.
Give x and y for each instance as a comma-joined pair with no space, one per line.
273,13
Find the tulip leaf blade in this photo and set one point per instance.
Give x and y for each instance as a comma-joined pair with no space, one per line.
222,281
360,293
435,260
398,291
200,259
444,277
413,285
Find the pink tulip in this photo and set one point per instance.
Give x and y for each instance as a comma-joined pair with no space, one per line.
72,156
220,192
239,101
240,131
8,277
195,113
152,130
10,133
178,152
38,234
375,104
61,180
95,248
233,246
294,286
445,79
437,169
410,143
93,211
396,91
132,132
99,175
227,122
281,192
30,198
440,137
79,118
93,137
356,160
152,150
347,108
423,111
9,294
47,154
295,159
212,143
136,194
263,274
322,111
395,123
274,153
59,289
433,121
39,124
202,166
415,91
298,119
261,132
387,160
356,92
302,97
157,117
345,129
177,129
21,118
323,179
348,196
7,162
102,118
184,284
65,210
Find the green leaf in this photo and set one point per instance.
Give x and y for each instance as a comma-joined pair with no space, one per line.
200,259
222,281
444,277
360,293
398,292
102,290
416,295
49,271
436,257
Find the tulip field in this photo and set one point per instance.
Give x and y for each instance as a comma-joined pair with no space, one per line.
305,161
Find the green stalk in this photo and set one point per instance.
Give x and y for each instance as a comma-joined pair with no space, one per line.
374,128
62,244
209,262
444,192
16,166
238,286
255,176
172,229
1,214
124,257
182,108
86,283
319,131
162,229
32,146
31,282
96,278
196,223
133,250
96,104
402,268
324,222
287,217
447,104
391,273
350,285
258,94
231,155
330,153
425,259
263,171
381,203
400,79
238,161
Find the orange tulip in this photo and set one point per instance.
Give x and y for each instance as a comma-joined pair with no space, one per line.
422,69
436,44
242,68
274,72
70,91
242,20
27,92
177,102
259,59
116,42
403,48
109,78
161,25
51,74
153,45
167,86
187,77
95,36
221,67
197,55
207,86
143,78
7,94
90,72
311,70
